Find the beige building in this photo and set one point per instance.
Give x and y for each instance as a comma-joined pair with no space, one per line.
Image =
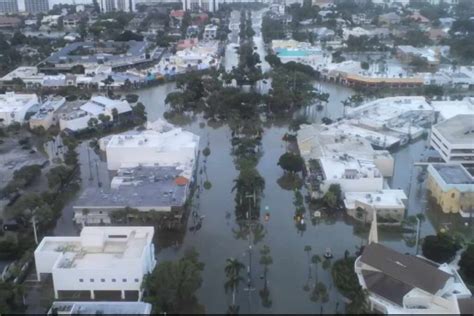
452,186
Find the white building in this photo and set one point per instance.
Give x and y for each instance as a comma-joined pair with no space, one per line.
200,5
301,52
13,107
405,284
453,139
172,147
46,115
347,160
447,109
100,259
389,122
78,119
116,5
210,32
389,205
100,308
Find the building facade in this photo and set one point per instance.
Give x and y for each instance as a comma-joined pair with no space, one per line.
9,6
13,107
453,139
36,6
200,5
117,5
452,186
112,259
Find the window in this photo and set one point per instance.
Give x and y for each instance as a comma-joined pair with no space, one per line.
81,280
136,280
102,280
113,280
124,280
92,280
453,195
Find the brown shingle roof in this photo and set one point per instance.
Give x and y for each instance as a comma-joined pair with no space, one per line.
407,269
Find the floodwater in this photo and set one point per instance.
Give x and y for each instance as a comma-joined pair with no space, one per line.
217,239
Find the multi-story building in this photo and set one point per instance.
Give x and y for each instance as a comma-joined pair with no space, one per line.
8,6
47,113
117,5
200,5
405,284
112,260
452,186
36,6
453,139
13,107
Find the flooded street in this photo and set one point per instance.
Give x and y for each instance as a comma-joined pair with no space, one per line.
219,238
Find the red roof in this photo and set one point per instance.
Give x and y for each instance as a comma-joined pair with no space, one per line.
181,181
177,13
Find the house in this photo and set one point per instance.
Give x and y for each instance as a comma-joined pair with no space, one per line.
452,187
13,107
100,260
9,22
390,18
405,284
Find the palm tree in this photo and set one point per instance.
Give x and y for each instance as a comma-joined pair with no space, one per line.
232,271
315,259
265,260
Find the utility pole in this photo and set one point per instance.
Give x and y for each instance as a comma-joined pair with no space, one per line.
418,224
90,166
34,229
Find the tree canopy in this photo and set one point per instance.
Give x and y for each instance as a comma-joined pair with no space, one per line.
440,248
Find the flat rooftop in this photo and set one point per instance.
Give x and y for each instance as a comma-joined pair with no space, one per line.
458,130
107,308
449,109
99,247
453,173
140,187
104,51
380,199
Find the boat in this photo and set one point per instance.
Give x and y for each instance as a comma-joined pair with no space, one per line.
328,253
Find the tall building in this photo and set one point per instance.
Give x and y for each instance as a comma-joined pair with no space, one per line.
200,5
36,6
117,5
8,6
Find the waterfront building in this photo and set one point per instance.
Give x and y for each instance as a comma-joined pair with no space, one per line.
389,122
101,260
453,139
99,308
452,187
13,107
78,118
347,160
405,284
389,205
